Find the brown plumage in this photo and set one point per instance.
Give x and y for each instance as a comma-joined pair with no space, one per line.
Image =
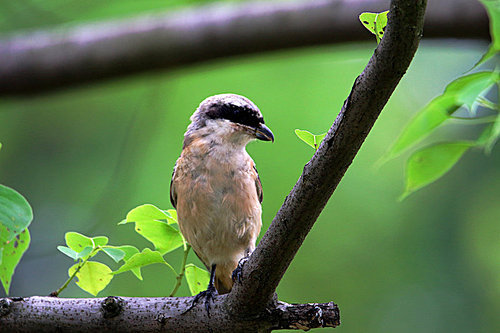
215,186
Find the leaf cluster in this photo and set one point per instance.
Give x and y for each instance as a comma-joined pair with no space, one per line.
15,217
157,226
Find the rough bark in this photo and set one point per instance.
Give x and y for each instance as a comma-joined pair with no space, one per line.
135,314
49,60
324,171
251,306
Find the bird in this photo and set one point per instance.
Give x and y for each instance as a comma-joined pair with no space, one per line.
216,188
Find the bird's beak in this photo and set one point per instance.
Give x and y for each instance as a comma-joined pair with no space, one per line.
264,133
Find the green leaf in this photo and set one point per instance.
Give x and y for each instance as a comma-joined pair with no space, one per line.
493,9
146,213
430,163
313,140
171,216
425,121
85,253
69,252
15,214
375,23
12,251
92,277
129,251
463,91
489,136
197,279
469,88
138,260
77,242
150,224
100,241
115,253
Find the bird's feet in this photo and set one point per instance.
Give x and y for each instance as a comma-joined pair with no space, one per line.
207,295
236,276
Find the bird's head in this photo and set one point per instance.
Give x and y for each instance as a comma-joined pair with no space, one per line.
228,118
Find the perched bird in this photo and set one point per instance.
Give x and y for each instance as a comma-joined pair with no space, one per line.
215,186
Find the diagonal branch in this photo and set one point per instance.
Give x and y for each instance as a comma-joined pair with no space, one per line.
323,172
48,60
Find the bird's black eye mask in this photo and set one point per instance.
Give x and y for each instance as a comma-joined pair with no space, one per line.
237,114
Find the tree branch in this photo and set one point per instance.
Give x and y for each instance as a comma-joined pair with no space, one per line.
250,306
371,91
48,60
136,314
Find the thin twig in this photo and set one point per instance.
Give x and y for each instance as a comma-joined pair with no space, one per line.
183,270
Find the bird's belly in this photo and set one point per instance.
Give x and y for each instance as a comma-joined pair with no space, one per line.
220,217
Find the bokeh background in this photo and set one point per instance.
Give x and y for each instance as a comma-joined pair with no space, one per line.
85,157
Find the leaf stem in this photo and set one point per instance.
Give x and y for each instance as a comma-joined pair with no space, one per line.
476,120
183,269
58,291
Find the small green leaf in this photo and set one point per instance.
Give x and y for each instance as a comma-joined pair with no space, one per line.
115,253
92,277
150,224
469,88
100,241
171,215
489,136
12,251
15,214
375,23
138,260
430,163
77,242
69,252
197,279
129,251
146,213
493,9
313,140
84,254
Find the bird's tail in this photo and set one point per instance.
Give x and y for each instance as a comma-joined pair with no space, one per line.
223,277
223,287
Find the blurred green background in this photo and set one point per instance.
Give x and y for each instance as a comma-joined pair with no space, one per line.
85,157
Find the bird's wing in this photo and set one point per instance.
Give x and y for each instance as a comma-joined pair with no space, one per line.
173,194
258,185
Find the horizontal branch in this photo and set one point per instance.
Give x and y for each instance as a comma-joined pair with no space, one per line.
168,314
49,60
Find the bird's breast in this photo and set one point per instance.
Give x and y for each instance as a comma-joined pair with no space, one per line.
218,207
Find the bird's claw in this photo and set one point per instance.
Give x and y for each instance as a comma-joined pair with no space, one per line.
236,276
208,295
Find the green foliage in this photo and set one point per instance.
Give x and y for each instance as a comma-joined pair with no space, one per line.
375,23
464,91
92,277
129,251
467,92
150,222
15,217
313,140
145,258
428,164
493,9
15,214
11,254
154,224
197,279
